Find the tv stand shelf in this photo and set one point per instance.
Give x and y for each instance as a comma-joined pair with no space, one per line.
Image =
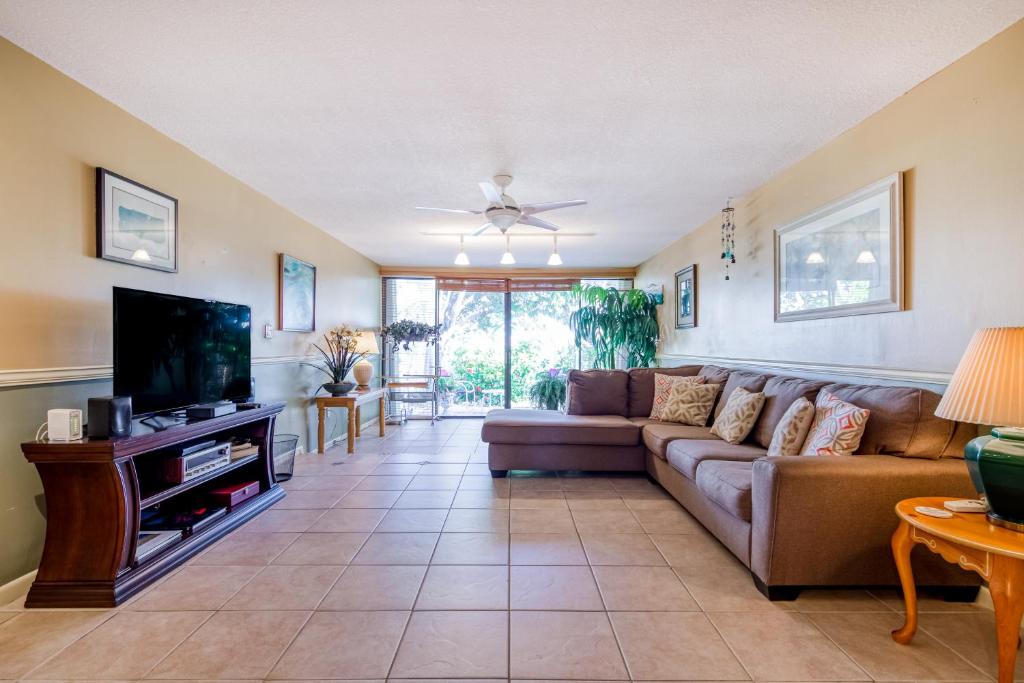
95,497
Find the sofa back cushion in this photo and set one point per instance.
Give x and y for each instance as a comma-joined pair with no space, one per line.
753,382
641,386
779,394
598,392
902,422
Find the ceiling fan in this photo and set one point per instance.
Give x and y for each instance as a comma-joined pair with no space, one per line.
503,212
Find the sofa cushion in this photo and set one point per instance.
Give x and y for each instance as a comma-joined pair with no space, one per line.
686,455
658,435
779,394
751,381
902,420
597,392
714,374
641,386
549,427
728,484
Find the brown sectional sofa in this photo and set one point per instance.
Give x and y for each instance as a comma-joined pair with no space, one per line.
794,521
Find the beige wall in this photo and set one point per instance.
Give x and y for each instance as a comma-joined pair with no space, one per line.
959,139
55,306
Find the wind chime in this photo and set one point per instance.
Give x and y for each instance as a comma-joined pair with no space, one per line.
728,237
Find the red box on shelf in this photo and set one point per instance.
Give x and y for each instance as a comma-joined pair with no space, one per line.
230,496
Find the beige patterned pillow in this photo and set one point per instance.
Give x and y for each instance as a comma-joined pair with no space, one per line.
738,416
663,385
791,432
690,403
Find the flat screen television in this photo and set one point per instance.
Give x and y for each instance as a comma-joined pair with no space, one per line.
175,351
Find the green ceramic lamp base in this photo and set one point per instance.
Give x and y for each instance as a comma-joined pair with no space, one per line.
996,466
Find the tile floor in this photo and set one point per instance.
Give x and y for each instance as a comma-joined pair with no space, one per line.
407,561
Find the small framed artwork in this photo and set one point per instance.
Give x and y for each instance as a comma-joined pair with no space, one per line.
686,297
296,294
845,258
135,224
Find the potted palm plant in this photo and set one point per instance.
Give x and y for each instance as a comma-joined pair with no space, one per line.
616,324
548,390
339,357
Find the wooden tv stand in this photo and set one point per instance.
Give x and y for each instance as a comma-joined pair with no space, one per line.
97,489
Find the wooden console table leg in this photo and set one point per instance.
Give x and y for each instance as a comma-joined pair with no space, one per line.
351,430
902,544
380,416
1007,586
359,421
320,429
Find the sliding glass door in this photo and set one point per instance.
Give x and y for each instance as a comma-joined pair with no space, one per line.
542,341
471,351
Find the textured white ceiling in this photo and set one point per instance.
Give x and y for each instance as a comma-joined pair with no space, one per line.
351,113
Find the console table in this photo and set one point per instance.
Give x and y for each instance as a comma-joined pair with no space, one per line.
351,402
967,540
96,490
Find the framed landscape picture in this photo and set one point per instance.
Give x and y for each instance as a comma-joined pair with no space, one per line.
135,224
296,294
845,258
686,297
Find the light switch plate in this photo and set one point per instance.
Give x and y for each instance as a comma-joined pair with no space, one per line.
268,331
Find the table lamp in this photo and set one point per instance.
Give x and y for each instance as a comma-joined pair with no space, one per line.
366,344
988,388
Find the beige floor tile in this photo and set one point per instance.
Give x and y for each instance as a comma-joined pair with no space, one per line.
283,521
538,500
545,482
638,589
866,638
480,500
541,521
442,469
296,483
606,522
484,482
621,549
322,548
396,469
349,519
125,647
425,499
232,645
547,549
4,616
477,520
308,500
34,636
454,645
464,587
434,482
413,520
649,501
838,600
697,551
728,588
383,483
927,601
372,587
397,548
667,521
342,483
587,483
553,588
246,548
577,645
594,500
343,645
368,499
286,588
471,548
195,588
674,646
785,646
972,636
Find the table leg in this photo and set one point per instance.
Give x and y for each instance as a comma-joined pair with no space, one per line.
351,430
380,416
901,547
320,429
1007,586
359,420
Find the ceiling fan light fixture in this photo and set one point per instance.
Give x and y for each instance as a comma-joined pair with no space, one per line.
507,259
555,259
866,256
461,259
503,219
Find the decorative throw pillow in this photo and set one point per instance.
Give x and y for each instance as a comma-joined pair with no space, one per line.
793,428
738,416
690,403
663,385
837,429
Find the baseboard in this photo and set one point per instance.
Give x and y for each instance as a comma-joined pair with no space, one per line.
12,590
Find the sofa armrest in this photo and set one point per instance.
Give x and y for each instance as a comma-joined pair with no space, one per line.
828,520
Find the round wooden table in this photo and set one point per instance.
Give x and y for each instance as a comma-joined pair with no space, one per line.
967,540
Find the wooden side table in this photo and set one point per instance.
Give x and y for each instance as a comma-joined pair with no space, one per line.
351,402
967,540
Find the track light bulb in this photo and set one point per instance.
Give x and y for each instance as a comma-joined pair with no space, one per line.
555,259
461,259
507,259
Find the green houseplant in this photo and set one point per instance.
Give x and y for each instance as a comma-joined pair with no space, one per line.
404,332
548,390
616,323
339,357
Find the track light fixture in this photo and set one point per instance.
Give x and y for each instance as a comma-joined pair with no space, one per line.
555,259
507,259
461,259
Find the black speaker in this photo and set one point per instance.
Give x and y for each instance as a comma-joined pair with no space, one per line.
109,416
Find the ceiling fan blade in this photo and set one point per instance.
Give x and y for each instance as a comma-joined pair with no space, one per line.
481,229
492,193
538,223
551,206
435,208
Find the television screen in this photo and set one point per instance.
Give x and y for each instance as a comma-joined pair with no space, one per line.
174,351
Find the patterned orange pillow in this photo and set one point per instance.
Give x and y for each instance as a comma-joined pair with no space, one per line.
663,385
837,429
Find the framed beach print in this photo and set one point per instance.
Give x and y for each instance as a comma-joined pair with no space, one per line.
135,224
845,258
296,294
686,297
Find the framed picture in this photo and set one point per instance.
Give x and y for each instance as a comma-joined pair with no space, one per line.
135,224
686,297
845,258
296,294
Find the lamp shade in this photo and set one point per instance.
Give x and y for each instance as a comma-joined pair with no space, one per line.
988,385
366,342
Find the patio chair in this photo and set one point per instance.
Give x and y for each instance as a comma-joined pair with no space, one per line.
406,390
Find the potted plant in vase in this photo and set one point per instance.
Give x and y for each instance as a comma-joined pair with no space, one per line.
548,391
339,357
